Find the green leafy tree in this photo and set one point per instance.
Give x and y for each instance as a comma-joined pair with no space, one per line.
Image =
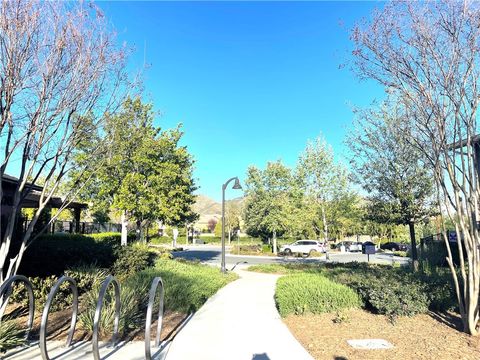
270,198
218,229
324,184
233,213
146,174
391,170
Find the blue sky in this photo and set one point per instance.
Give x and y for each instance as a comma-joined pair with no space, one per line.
250,81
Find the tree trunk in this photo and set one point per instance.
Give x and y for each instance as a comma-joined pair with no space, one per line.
325,234
413,243
274,242
139,230
124,229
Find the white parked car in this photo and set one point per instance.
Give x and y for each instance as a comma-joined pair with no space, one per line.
303,247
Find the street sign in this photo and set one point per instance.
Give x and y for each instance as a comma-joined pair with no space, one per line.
368,249
452,236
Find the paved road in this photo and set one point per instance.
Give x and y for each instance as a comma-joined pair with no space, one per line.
211,254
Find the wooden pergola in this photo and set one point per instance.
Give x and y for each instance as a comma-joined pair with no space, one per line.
31,201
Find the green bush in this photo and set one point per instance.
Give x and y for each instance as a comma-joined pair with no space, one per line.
12,335
383,289
53,254
130,260
266,248
41,289
161,240
310,293
133,298
392,298
87,277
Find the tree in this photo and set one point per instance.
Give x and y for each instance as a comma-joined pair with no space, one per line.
426,54
212,223
322,181
60,71
218,229
145,175
391,170
269,209
232,218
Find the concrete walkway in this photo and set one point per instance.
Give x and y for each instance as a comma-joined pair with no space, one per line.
239,323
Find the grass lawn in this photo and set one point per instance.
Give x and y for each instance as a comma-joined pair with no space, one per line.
413,311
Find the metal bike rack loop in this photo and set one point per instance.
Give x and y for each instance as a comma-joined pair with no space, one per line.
96,319
46,309
5,289
156,284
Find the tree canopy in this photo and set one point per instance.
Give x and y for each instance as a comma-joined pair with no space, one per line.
144,172
392,170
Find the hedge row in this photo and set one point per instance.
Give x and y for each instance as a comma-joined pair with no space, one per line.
53,254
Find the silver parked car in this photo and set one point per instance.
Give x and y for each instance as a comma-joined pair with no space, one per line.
303,247
350,246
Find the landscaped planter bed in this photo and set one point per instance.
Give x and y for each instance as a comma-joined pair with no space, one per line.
419,337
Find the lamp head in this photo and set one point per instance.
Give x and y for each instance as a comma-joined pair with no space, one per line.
237,185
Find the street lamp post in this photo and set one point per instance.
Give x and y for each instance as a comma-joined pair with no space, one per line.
235,186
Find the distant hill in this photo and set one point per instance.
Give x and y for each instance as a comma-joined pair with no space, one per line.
208,209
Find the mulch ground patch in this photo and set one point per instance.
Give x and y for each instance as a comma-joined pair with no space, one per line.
421,337
59,324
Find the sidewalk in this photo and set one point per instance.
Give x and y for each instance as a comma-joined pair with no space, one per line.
239,323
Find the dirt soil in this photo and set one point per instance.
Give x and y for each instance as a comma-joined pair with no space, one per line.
434,336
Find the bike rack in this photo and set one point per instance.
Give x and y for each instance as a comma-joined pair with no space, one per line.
5,289
46,309
96,319
156,284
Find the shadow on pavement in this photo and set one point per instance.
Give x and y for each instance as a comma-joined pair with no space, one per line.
263,356
202,255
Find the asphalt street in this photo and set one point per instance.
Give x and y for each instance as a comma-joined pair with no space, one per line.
212,254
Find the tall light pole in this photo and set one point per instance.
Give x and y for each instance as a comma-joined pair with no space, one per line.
235,186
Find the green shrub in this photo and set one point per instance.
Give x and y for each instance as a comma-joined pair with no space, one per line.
266,248
112,238
12,335
161,240
133,298
401,253
130,260
393,299
53,254
41,289
87,277
384,289
310,293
